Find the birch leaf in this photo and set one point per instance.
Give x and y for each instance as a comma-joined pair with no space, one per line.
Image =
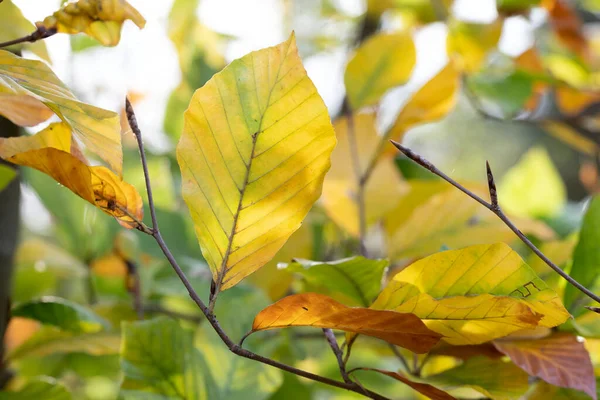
473,295
312,309
382,62
51,152
253,155
97,129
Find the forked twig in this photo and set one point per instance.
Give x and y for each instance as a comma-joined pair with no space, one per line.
495,208
232,346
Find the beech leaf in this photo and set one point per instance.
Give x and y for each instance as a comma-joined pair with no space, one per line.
473,295
382,62
560,359
469,43
253,155
52,152
99,130
424,388
312,309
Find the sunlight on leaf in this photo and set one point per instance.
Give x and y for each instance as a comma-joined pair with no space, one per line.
586,257
533,187
97,129
100,19
433,101
382,62
470,43
15,25
495,379
317,310
355,281
341,183
257,143
560,359
51,152
473,295
61,313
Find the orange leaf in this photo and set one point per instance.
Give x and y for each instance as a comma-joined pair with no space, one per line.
24,110
312,309
567,25
561,360
572,101
51,152
430,391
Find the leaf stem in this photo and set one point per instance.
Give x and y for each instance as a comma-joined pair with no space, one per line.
337,352
495,208
39,34
399,356
233,347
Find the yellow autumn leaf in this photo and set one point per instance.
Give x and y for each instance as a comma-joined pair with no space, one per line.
571,137
15,25
382,62
473,295
469,43
340,189
253,155
52,152
97,129
533,187
100,19
431,102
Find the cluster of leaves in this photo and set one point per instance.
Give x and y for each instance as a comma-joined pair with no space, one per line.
256,151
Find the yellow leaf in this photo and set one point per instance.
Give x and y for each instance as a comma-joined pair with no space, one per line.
432,102
571,137
572,101
340,189
470,43
97,129
313,309
50,151
253,155
473,295
15,25
100,19
533,187
382,62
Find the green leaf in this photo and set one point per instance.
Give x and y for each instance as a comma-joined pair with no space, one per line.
43,388
7,174
586,258
42,255
357,280
61,313
158,359
508,92
516,5
533,187
382,62
496,379
51,340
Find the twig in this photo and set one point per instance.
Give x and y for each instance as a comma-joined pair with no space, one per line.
39,34
400,356
134,287
360,183
499,213
338,353
233,347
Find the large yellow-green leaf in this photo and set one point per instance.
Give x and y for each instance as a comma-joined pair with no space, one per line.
473,295
99,130
100,19
42,388
15,25
533,187
52,152
340,190
253,155
470,43
380,63
496,379
586,257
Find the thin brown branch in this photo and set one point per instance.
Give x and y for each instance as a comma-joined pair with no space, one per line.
499,213
399,356
233,347
338,353
39,34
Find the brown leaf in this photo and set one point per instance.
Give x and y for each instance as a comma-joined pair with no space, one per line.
561,360
567,25
467,351
313,309
430,391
